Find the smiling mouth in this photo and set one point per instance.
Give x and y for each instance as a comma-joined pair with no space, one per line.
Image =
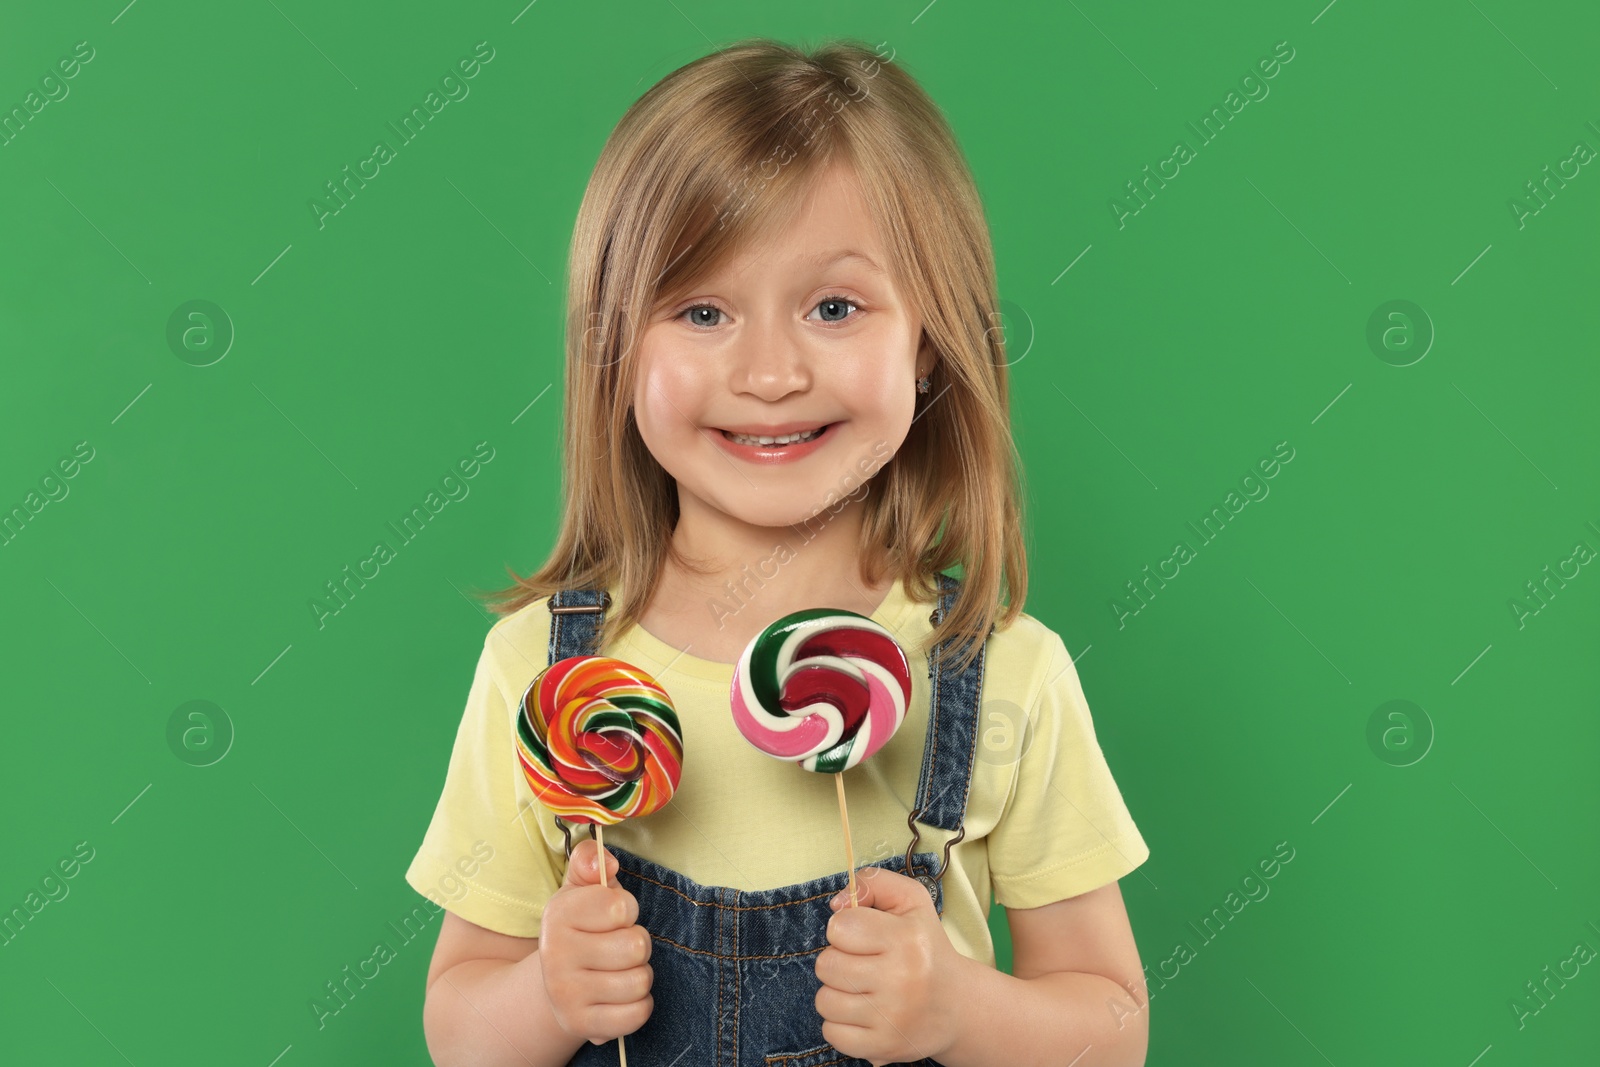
778,441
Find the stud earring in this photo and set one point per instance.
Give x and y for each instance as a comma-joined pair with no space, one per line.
924,383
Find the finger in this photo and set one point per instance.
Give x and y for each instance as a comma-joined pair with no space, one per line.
885,890
598,910
844,1009
845,972
862,931
619,987
855,1038
614,1019
617,950
582,868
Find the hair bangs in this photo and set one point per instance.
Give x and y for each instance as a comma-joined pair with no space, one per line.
738,197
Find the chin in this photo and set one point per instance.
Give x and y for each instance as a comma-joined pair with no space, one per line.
817,510
778,518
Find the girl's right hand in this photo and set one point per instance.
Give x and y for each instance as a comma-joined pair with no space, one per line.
593,954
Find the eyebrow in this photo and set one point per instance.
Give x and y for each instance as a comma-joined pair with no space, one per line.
827,259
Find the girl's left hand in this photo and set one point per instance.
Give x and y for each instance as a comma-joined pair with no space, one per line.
891,979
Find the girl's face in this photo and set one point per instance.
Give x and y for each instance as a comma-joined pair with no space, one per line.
792,336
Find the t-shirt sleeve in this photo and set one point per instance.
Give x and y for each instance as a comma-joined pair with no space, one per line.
486,856
1065,829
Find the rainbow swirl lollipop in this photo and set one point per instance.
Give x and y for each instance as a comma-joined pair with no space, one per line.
598,740
824,687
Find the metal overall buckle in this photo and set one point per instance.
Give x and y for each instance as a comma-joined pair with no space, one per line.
580,609
930,880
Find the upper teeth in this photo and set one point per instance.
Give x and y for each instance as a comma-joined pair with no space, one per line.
786,439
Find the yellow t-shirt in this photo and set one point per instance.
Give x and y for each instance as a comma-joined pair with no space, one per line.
1044,821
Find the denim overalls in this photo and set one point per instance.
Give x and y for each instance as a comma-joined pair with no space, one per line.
735,971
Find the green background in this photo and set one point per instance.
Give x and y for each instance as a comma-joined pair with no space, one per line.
1437,868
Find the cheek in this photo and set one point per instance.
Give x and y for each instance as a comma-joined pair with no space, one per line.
875,388
883,365
667,394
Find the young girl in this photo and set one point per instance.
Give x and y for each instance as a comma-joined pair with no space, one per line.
785,390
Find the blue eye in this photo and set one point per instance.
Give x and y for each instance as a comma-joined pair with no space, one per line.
701,307
833,304
838,303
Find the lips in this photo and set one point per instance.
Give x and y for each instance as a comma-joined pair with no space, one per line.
773,429
765,440
750,448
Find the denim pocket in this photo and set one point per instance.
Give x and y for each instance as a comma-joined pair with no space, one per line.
822,1056
825,1056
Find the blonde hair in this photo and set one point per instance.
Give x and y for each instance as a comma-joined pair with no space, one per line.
697,168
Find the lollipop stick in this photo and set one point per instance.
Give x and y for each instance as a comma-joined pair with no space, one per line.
849,849
600,857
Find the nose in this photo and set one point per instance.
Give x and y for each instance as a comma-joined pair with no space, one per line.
770,360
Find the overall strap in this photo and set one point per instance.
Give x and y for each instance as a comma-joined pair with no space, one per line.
574,622
575,616
951,745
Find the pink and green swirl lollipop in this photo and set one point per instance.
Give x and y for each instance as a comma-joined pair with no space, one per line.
824,687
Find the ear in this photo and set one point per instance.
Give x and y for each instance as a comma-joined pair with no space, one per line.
927,357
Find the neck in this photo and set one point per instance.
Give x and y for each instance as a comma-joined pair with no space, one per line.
761,573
